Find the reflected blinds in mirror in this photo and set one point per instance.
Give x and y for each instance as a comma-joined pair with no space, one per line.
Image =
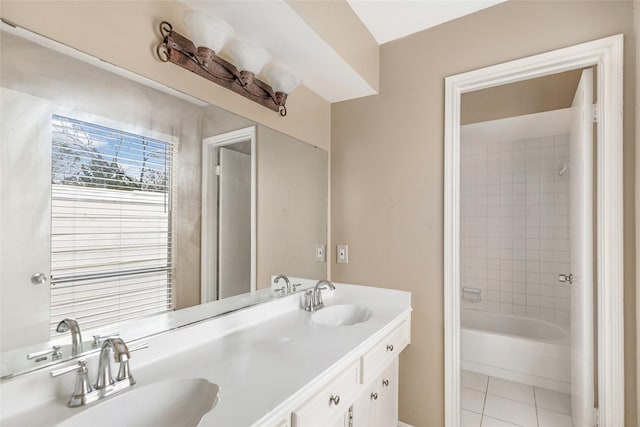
111,224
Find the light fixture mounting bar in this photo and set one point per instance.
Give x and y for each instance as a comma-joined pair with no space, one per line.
181,51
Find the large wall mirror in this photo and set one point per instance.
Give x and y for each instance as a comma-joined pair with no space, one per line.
130,207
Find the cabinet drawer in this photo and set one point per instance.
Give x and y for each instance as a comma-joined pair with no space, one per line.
384,351
331,401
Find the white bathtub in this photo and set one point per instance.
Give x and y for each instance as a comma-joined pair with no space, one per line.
529,351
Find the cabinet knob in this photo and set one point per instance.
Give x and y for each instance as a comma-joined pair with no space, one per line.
334,399
385,383
374,396
390,347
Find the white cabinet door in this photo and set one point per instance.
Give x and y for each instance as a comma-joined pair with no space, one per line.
331,404
378,405
387,402
364,409
341,421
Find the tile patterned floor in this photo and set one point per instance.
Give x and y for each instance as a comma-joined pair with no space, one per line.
494,402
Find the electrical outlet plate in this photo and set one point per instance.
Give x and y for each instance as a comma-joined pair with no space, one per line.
342,254
321,252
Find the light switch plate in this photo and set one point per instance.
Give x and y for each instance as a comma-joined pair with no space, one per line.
342,254
321,252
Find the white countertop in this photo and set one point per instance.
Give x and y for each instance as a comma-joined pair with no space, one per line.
260,357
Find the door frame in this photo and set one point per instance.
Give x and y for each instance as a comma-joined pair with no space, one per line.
607,55
228,138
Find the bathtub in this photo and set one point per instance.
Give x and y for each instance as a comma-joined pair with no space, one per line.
528,351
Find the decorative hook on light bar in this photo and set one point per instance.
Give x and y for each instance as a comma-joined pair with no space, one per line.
165,29
162,50
200,56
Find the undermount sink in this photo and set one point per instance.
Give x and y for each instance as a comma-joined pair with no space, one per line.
180,402
341,315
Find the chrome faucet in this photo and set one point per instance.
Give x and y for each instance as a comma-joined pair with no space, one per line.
313,298
285,290
105,385
120,355
72,326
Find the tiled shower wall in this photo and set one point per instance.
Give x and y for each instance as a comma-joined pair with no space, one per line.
515,226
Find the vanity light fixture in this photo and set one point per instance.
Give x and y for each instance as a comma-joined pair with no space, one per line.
201,56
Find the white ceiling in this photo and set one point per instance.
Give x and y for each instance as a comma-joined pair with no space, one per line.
273,25
392,19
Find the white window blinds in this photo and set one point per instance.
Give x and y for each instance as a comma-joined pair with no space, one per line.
111,224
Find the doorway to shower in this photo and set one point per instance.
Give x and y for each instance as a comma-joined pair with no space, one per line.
586,352
526,247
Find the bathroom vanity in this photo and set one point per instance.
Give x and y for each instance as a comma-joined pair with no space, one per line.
273,364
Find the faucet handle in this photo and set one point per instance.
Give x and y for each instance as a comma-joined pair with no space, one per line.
83,388
79,366
124,373
54,352
308,300
137,347
97,339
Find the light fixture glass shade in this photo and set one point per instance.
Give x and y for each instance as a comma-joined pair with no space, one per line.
248,57
207,31
281,80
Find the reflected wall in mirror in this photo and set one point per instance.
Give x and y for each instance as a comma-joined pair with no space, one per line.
101,185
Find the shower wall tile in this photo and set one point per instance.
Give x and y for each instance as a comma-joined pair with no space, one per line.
515,226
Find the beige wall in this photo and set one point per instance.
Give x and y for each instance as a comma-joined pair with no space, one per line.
387,163
546,93
125,33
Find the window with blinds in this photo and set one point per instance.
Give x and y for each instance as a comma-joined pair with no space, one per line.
111,224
